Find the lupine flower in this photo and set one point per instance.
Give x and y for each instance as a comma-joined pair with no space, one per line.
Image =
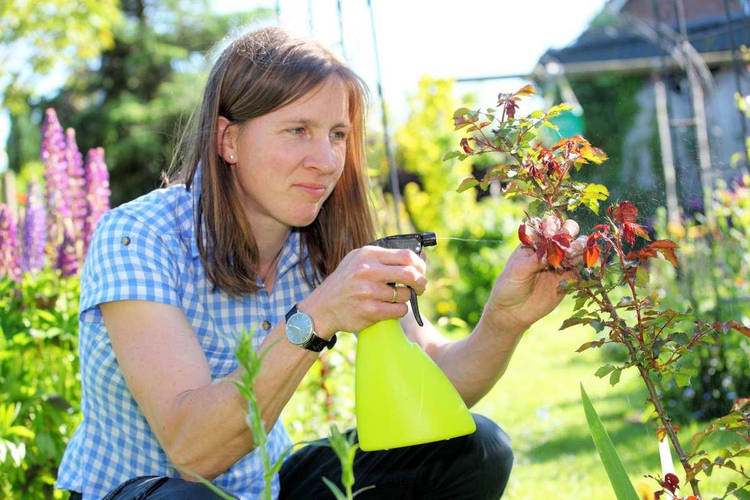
76,194
97,192
9,261
55,176
67,257
34,230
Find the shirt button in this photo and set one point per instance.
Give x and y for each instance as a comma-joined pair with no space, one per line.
266,325
125,241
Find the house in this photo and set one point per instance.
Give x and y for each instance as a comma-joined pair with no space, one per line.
687,132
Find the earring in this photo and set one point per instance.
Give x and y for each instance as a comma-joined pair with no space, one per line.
231,156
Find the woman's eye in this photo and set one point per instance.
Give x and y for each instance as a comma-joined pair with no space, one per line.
338,135
297,131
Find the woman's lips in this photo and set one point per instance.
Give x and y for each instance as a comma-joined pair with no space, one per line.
316,190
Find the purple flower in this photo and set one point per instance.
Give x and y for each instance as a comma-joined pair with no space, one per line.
9,261
54,157
75,194
67,256
34,230
97,192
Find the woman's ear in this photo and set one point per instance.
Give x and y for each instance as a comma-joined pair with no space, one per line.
226,136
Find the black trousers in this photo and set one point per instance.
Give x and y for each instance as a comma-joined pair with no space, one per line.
473,467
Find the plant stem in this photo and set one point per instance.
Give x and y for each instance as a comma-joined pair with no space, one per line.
654,396
668,426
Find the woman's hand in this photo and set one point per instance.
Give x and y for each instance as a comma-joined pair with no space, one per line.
527,289
357,294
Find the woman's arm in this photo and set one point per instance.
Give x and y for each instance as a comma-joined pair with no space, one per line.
201,423
525,291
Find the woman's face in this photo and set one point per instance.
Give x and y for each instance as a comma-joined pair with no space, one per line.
288,161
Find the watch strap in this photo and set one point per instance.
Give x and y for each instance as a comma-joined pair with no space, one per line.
315,343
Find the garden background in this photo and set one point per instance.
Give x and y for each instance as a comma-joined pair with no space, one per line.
134,67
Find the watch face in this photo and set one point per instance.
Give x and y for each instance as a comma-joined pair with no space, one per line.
299,328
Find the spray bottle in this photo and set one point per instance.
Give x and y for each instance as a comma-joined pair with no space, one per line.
402,397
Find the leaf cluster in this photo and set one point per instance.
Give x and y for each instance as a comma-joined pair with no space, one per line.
616,255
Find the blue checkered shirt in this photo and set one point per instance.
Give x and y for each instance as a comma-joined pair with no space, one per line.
146,250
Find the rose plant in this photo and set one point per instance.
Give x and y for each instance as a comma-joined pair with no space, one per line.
611,288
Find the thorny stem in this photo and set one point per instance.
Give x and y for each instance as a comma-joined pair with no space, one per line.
654,396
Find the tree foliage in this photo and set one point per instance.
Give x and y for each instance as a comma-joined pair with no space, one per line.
49,34
134,100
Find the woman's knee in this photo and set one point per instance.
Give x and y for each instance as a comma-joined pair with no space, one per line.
492,444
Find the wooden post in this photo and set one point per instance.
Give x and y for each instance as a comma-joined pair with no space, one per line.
665,143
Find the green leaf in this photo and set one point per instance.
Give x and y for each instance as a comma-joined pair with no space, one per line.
451,154
618,477
641,276
592,194
467,183
604,370
334,489
208,484
572,322
615,377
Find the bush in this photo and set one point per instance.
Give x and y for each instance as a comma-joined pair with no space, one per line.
713,282
40,379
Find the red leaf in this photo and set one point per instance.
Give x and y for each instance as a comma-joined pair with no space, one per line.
555,254
669,254
664,244
525,238
628,233
602,227
626,212
562,239
591,255
465,145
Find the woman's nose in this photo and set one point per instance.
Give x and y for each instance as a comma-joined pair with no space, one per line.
323,155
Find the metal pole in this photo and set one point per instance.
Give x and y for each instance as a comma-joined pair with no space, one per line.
386,139
341,29
736,68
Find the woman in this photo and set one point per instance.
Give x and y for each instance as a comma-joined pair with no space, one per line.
269,227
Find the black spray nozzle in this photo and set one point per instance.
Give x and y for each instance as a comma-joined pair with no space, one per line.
414,242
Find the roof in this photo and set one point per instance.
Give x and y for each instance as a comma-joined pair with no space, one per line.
634,44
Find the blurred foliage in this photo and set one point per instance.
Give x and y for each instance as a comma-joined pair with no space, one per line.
713,280
50,34
135,98
461,272
609,110
40,379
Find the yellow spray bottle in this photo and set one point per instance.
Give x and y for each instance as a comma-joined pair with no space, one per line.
402,397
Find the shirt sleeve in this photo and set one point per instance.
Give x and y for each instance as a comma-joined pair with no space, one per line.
127,260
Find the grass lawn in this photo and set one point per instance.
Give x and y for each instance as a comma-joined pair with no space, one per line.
538,404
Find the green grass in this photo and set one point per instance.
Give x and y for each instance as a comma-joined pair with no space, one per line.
538,403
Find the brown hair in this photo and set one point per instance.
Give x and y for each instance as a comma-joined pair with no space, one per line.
256,74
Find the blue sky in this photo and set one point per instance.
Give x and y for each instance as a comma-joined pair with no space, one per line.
439,38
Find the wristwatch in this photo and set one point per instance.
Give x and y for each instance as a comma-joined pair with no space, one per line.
300,331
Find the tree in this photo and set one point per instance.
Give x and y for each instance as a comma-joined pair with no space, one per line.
48,34
132,102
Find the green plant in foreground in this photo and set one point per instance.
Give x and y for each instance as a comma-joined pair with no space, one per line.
611,291
342,445
615,471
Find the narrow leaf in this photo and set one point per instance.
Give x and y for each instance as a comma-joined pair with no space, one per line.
467,183
621,484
